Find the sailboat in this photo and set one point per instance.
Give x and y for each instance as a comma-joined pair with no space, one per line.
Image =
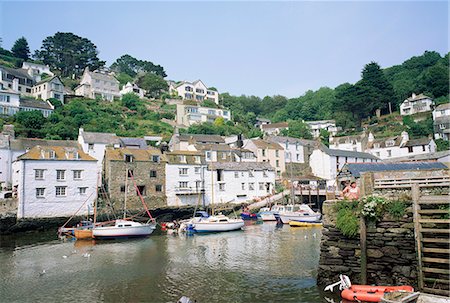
215,223
125,228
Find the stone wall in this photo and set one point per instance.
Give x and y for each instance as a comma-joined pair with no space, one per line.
391,254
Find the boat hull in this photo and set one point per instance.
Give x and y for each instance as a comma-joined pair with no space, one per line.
368,293
205,227
248,216
268,217
113,232
285,218
83,234
304,224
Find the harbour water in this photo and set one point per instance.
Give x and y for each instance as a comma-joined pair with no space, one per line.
263,263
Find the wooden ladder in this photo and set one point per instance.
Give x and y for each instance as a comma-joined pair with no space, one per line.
432,231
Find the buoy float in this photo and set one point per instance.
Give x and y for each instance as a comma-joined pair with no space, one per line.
368,293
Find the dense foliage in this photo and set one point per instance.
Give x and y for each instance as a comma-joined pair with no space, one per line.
132,67
21,49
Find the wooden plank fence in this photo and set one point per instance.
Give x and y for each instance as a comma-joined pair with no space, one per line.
426,181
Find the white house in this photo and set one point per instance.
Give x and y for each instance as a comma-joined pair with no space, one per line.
54,181
188,115
94,144
441,121
234,182
295,150
274,129
36,70
27,105
185,178
132,88
328,125
16,79
196,90
399,146
98,84
353,143
51,87
325,163
9,101
267,151
185,141
416,104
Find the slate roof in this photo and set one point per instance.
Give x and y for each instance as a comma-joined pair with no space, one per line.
215,147
266,144
346,153
382,142
48,80
241,166
282,140
173,157
418,142
347,139
201,138
22,144
102,76
17,72
139,142
102,138
357,168
275,125
62,153
421,157
443,106
418,97
118,154
33,103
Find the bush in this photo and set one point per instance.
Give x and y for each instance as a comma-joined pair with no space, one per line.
347,222
397,209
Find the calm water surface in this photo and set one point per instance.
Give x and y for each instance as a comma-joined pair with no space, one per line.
263,263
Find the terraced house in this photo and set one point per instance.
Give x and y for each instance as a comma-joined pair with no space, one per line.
188,115
266,151
196,91
128,171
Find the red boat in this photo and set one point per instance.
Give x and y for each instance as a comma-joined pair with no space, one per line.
368,293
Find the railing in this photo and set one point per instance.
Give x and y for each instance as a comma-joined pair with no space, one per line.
428,181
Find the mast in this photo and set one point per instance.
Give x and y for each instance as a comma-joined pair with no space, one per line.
212,185
292,182
95,202
126,190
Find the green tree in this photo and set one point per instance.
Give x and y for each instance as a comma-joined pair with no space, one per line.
130,101
153,84
298,129
21,49
131,66
69,54
30,123
442,145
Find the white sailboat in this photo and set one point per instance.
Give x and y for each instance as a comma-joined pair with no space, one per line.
300,213
269,214
125,228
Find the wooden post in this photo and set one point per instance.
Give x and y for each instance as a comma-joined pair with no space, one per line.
415,193
363,246
309,195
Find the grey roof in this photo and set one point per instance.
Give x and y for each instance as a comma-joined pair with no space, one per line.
102,138
357,168
22,144
421,157
33,103
48,80
282,140
418,97
127,142
215,147
17,72
346,153
201,138
102,76
241,166
443,106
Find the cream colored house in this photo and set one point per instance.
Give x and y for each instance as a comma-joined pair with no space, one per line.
192,114
196,90
132,88
416,104
98,84
270,152
49,88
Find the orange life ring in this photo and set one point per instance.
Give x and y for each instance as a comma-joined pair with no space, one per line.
370,293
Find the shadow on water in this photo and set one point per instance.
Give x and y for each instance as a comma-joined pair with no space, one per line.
262,263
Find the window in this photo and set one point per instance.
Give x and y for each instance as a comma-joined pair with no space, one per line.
40,192
236,174
183,184
277,163
77,174
243,186
224,155
128,158
153,174
261,185
220,175
60,175
182,158
52,154
211,112
250,174
60,191
296,146
423,148
82,190
155,159
141,190
265,173
251,186
208,155
298,157
197,159
390,143
410,149
39,174
183,171
441,126
198,184
90,146
197,170
277,153
389,153
158,188
264,152
222,186
376,145
130,173
122,188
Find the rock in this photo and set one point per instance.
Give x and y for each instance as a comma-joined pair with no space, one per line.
390,250
374,253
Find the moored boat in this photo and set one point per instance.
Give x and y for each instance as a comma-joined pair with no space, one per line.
217,223
368,293
123,229
270,214
304,224
248,216
300,213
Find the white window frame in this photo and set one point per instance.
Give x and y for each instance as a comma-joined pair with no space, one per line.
60,175
82,190
61,191
77,174
37,172
183,171
40,192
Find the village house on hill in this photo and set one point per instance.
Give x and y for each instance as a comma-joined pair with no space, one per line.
196,91
352,143
295,150
441,121
274,129
270,152
328,125
184,141
98,84
54,181
127,170
188,115
416,104
51,87
132,88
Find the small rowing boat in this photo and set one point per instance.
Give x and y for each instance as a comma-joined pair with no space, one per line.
304,224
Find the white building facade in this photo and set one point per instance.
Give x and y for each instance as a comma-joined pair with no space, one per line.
328,125
49,88
416,104
54,182
191,114
295,150
98,84
196,90
132,88
441,122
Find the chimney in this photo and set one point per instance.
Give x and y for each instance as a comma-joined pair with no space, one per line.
15,85
413,95
371,138
405,137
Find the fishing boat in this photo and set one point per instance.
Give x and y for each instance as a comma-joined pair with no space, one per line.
246,215
270,214
217,223
123,229
304,224
300,213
